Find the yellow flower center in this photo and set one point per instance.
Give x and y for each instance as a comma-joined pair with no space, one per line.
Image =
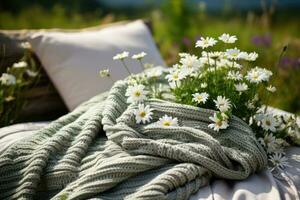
175,76
200,98
137,93
142,114
255,75
166,123
219,123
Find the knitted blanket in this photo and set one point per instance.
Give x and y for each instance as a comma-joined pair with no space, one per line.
98,151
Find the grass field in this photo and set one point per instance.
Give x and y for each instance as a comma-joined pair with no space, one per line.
177,27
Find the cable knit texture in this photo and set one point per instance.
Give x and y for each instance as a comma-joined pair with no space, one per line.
98,151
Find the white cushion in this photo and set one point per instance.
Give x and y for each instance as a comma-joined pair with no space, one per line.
73,59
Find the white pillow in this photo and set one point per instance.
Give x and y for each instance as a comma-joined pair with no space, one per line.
73,59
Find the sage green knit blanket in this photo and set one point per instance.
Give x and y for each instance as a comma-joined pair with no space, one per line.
98,151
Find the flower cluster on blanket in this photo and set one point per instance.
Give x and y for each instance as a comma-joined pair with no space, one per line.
219,80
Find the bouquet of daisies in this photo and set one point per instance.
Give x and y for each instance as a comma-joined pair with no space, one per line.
223,81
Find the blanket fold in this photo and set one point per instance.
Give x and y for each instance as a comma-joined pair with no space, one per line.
98,151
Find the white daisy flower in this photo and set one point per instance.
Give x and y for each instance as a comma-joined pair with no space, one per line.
104,73
143,114
167,121
279,160
269,123
254,76
190,62
121,56
267,140
200,97
226,38
250,105
139,56
242,55
31,73
136,93
8,79
203,85
154,73
266,74
257,75
213,54
252,56
175,75
206,42
222,103
233,53
235,75
241,87
183,54
21,64
148,65
271,88
218,123
25,45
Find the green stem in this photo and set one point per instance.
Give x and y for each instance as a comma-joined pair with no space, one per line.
123,62
207,58
141,63
279,59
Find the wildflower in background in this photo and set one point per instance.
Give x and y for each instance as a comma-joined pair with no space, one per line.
235,75
262,40
31,73
241,87
222,104
271,88
139,56
200,97
167,121
21,64
8,79
233,53
143,114
136,93
289,63
219,122
269,123
121,56
186,41
226,38
279,160
154,73
104,73
206,42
